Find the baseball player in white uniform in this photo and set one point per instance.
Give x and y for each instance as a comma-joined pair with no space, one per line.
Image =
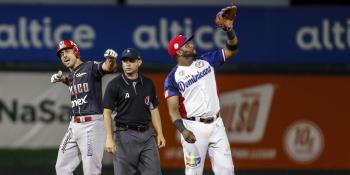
193,103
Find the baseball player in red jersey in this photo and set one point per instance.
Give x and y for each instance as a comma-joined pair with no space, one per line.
193,102
86,134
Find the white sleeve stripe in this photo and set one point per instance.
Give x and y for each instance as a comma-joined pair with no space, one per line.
223,54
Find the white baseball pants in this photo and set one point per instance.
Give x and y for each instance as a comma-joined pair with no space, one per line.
211,138
83,142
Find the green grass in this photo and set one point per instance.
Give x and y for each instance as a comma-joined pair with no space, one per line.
27,157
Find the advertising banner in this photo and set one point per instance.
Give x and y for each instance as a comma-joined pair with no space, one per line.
276,122
275,35
33,112
273,122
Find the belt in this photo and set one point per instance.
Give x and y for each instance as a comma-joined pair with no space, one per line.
86,118
206,120
139,128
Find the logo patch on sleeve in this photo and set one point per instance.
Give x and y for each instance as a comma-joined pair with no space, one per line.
147,100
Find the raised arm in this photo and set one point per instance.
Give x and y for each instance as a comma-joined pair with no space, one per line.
231,49
225,20
110,63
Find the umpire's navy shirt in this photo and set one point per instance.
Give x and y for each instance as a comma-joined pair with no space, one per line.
131,99
85,89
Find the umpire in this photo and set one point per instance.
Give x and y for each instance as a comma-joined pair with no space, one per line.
133,97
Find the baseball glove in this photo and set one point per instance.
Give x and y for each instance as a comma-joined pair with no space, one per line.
225,18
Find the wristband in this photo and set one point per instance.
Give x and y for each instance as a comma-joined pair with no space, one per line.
231,34
179,125
232,47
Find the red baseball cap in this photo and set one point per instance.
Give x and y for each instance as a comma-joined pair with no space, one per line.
176,43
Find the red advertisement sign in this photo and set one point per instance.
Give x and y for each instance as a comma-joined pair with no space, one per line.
276,121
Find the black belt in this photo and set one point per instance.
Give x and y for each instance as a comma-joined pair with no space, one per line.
140,128
204,120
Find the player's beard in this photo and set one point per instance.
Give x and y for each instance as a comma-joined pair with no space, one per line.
190,54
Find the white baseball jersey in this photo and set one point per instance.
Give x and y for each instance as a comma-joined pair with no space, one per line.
196,85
